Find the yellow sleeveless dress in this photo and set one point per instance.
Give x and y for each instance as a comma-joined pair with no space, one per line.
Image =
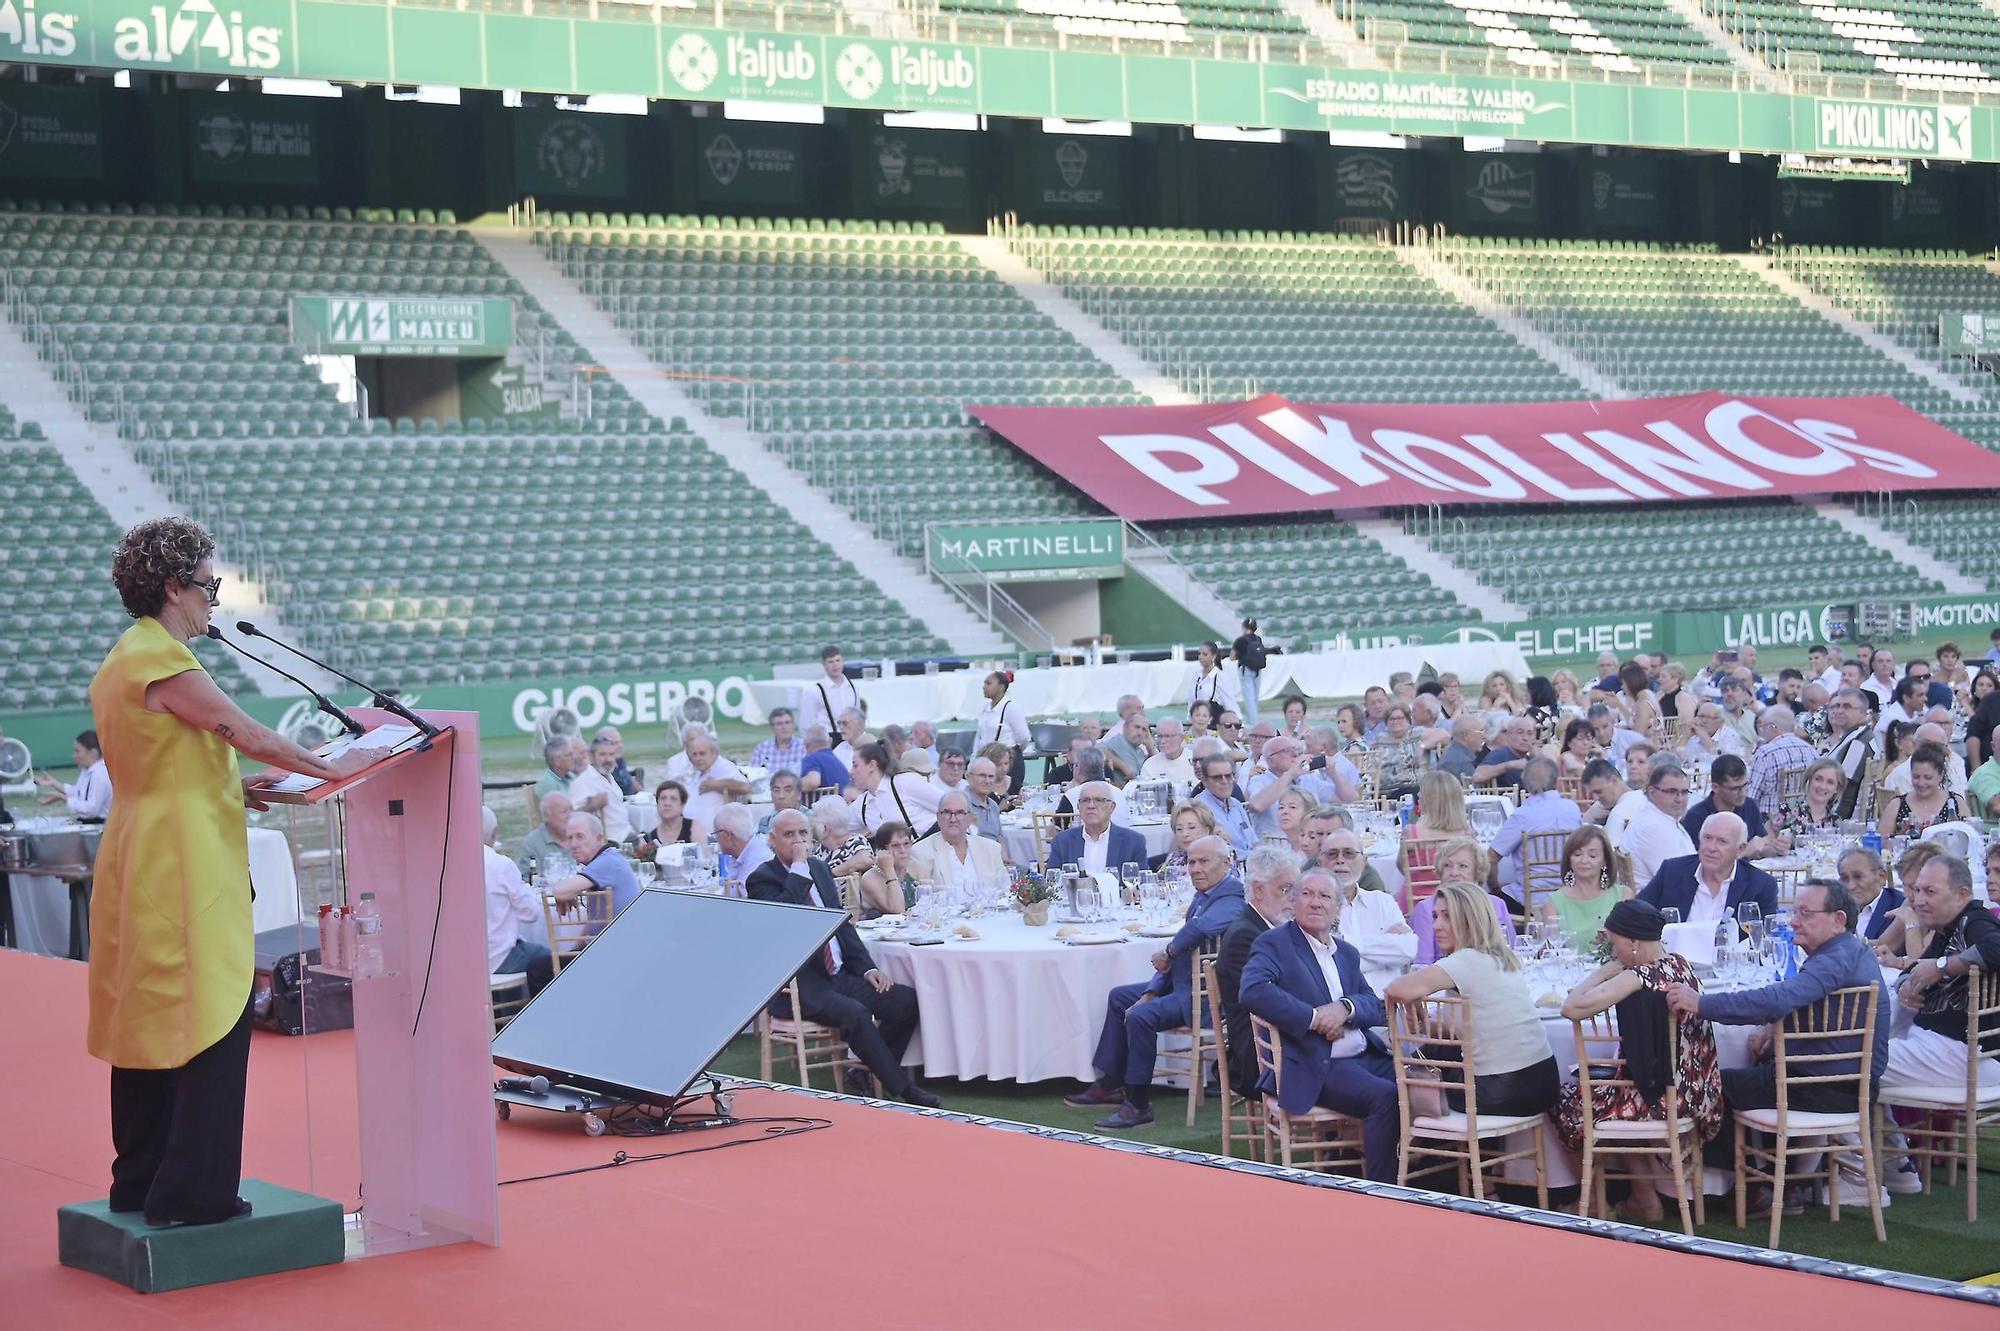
171,943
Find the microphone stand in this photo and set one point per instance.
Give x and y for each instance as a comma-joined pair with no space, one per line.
326,704
382,700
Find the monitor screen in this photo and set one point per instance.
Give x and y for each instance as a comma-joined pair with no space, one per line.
643,1010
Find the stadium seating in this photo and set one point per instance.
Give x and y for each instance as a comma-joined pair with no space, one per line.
1902,295
466,560
1076,23
10,428
1639,560
58,577
1957,527
1948,45
1315,318
1544,35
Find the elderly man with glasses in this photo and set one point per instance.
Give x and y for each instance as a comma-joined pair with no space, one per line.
1848,722
955,855
1232,819
1369,918
1095,842
1138,1013
1172,762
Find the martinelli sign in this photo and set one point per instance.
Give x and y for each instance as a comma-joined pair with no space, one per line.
366,326
1269,455
1027,551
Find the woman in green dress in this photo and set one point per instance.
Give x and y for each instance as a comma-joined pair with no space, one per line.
1590,887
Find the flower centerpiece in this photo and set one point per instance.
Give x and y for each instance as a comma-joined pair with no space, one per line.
1033,893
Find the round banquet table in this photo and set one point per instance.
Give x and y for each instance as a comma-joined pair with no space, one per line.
1015,1004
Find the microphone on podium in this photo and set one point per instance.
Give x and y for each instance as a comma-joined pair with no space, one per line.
326,704
382,700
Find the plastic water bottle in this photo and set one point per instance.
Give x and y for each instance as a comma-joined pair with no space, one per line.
1405,811
1872,840
1786,947
725,872
367,962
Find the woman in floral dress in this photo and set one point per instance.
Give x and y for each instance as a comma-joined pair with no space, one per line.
1639,961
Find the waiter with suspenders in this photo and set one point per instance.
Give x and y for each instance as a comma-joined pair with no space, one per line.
1003,722
828,697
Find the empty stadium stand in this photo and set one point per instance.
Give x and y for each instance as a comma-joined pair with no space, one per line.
1941,45
1544,35
67,612
1958,528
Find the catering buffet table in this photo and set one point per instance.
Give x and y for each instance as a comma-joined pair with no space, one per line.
1069,690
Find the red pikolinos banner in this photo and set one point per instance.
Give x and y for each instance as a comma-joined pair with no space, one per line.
1269,455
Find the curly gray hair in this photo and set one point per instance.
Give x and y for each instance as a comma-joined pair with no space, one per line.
155,557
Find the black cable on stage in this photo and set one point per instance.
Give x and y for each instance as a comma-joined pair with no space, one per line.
776,1128
444,859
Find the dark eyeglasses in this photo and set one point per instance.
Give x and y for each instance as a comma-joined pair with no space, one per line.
213,587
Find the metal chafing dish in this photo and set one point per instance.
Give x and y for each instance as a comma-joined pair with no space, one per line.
50,845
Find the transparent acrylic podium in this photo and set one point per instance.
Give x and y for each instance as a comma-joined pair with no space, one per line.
423,1029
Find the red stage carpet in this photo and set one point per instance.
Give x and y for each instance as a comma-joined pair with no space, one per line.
887,1220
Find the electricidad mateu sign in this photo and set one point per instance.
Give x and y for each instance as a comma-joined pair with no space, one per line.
396,326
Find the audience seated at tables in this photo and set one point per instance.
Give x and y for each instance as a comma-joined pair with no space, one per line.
1543,809
1866,879
785,795
736,836
1307,982
1191,821
1441,815
1590,888
1635,982
1928,803
889,886
1513,1069
1297,810
547,837
1460,757
1328,821
1836,958
1817,809
1232,820
1851,744
1369,919
513,915
1095,842
950,774
1282,767
837,839
556,765
591,789
1127,748
784,751
1268,877
711,779
1172,761
982,786
1503,763
955,855
599,864
1714,882
1460,860
1137,1013
1779,750
820,769
1963,934
1653,834
1613,801
840,985
674,827
1729,792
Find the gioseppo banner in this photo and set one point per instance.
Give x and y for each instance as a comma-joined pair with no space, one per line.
1027,551
1268,455
633,49
1970,332
365,326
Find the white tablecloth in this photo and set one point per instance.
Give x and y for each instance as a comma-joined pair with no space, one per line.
41,903
1069,690
1016,1004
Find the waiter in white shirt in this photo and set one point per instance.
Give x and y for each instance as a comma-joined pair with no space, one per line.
1002,721
1210,684
89,797
829,696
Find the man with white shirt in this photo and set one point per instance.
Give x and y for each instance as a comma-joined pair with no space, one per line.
923,736
950,773
510,908
1611,737
1654,834
954,855
853,735
1823,666
89,796
1173,762
736,836
1094,841
840,985
592,790
1611,797
1881,680
831,694
712,779
913,794
1906,704
1330,776
1368,920
1716,879
1739,711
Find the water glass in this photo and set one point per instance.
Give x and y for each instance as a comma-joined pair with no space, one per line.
1672,914
1089,901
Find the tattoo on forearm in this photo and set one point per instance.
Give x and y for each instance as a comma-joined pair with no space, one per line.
223,729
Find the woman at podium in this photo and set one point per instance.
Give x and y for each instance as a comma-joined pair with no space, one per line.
171,954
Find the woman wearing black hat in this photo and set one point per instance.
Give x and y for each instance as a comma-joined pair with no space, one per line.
1635,981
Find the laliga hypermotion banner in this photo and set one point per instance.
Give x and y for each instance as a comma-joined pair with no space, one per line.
1273,456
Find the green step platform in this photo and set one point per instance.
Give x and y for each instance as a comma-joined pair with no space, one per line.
285,1231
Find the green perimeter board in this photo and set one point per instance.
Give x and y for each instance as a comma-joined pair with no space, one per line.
639,51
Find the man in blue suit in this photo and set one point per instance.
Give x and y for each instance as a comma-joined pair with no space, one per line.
1095,841
1307,982
1139,1012
1715,879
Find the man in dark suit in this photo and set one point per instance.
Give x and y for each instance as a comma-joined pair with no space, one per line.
1139,1012
1866,878
1268,877
1714,880
1307,982
840,986
1095,841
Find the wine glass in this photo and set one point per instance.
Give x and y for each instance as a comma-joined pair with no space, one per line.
1748,914
1672,915
1089,902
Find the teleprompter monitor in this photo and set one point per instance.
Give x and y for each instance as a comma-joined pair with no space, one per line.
642,1011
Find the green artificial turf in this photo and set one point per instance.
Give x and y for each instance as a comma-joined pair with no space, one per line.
1927,1235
